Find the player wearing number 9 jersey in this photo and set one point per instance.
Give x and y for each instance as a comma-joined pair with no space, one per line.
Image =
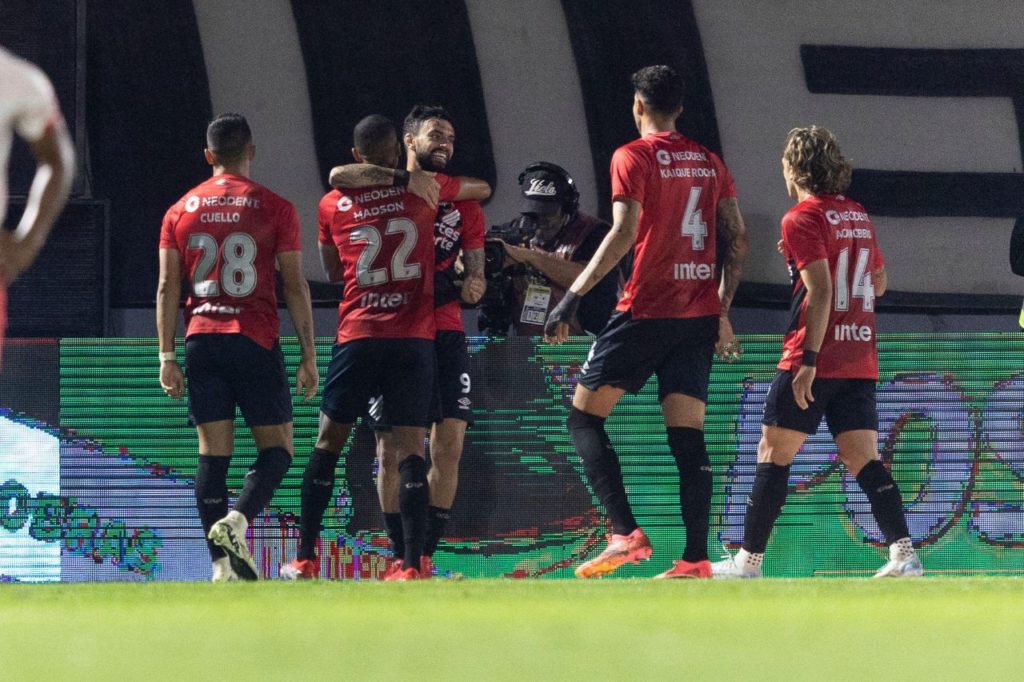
225,237
829,364
676,199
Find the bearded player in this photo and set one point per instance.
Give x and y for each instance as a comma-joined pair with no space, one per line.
429,138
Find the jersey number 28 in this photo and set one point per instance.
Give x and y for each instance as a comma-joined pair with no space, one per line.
237,273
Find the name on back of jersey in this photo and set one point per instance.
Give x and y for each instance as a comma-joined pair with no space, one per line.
194,203
346,202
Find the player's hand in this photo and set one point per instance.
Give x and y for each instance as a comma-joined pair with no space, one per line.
473,289
307,379
728,347
423,185
556,328
172,380
802,386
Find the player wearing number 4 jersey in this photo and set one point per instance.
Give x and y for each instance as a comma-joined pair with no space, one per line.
829,363
226,237
677,200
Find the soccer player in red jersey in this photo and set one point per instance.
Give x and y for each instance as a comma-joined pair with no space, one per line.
829,363
379,242
226,236
676,201
29,108
429,137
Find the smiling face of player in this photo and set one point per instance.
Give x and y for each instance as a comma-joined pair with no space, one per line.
433,144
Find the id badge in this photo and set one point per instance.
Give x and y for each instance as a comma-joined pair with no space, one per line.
535,305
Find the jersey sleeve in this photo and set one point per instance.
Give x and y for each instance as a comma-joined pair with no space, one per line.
629,173
450,186
37,111
472,225
288,229
727,185
167,238
802,238
323,219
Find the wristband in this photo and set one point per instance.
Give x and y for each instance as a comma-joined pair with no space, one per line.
401,178
810,358
168,357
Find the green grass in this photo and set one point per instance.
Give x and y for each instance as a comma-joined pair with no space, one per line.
933,628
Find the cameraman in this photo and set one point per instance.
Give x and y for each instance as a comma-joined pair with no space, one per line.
545,249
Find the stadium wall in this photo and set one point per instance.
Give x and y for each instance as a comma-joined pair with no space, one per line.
97,466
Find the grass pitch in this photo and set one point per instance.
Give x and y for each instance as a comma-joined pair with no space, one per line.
932,628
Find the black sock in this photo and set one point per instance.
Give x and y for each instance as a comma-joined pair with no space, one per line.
694,488
771,484
413,499
601,465
317,488
437,519
393,524
262,480
886,501
212,495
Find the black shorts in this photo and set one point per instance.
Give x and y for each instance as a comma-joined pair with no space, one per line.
678,350
846,404
225,370
452,398
400,370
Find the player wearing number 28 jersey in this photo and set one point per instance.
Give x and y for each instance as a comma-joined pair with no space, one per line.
226,237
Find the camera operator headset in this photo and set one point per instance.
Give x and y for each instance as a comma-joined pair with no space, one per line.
545,249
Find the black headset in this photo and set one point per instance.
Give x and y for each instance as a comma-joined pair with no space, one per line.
571,200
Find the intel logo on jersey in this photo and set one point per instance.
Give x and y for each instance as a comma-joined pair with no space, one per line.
852,332
693,271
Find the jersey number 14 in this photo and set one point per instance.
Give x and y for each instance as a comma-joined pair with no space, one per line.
862,286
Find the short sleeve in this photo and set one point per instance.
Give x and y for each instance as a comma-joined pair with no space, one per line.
37,108
450,186
726,184
288,229
629,173
803,238
472,225
167,237
324,214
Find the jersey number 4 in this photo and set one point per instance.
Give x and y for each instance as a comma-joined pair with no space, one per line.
366,274
693,225
863,286
237,274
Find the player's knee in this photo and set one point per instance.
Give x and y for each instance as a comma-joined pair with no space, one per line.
769,452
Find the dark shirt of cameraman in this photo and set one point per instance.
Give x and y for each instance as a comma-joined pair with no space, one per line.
545,249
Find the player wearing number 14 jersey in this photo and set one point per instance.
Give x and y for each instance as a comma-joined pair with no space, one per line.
677,200
829,364
226,237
